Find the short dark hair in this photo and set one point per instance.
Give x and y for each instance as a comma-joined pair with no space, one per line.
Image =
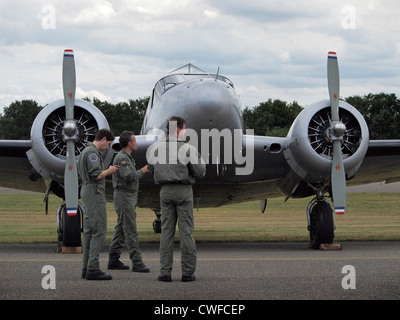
124,138
104,133
179,122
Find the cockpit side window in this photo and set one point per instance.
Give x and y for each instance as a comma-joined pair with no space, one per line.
224,79
168,85
168,82
151,101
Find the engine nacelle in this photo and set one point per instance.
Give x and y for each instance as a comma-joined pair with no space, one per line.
48,153
309,145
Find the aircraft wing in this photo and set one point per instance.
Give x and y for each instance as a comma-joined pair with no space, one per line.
15,166
17,172
381,163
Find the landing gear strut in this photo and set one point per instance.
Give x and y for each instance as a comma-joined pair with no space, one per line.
320,222
157,222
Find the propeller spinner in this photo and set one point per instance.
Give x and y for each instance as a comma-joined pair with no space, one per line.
338,129
70,133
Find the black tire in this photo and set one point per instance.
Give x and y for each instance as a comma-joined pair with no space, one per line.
321,224
71,228
157,226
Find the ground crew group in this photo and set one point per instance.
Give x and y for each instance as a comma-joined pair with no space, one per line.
176,202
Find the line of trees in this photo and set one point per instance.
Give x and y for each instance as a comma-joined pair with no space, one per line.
273,117
381,112
123,115
16,120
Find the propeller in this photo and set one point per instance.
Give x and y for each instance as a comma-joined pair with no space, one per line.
338,129
70,133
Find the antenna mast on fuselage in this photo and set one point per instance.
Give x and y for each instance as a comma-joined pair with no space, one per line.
189,67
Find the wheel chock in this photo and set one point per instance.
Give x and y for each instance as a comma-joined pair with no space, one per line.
330,246
71,249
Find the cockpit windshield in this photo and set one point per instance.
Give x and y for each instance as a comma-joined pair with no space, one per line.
174,79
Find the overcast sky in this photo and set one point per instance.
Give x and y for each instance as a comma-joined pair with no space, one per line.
269,49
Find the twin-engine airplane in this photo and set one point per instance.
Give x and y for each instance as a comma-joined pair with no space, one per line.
327,145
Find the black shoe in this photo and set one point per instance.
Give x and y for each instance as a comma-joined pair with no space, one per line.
84,273
115,264
164,277
97,275
187,278
141,267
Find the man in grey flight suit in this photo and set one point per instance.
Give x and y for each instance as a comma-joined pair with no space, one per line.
126,185
92,173
175,165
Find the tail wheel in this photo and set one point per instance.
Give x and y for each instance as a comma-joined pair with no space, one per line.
321,223
157,222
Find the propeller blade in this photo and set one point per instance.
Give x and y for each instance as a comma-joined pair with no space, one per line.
71,180
69,83
69,131
333,84
338,178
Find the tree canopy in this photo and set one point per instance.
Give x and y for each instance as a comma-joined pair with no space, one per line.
381,112
124,115
273,117
16,122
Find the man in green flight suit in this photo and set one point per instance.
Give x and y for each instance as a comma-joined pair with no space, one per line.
92,173
175,165
126,185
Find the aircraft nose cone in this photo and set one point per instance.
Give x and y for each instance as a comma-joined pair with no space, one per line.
339,129
70,128
214,104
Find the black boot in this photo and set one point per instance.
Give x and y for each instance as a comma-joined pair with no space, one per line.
114,263
97,275
188,277
140,267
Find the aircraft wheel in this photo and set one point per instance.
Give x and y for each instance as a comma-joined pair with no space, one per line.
157,226
321,224
157,222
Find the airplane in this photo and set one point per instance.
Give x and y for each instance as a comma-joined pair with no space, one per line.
327,148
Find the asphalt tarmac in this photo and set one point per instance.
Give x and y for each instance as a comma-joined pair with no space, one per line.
233,280
235,272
